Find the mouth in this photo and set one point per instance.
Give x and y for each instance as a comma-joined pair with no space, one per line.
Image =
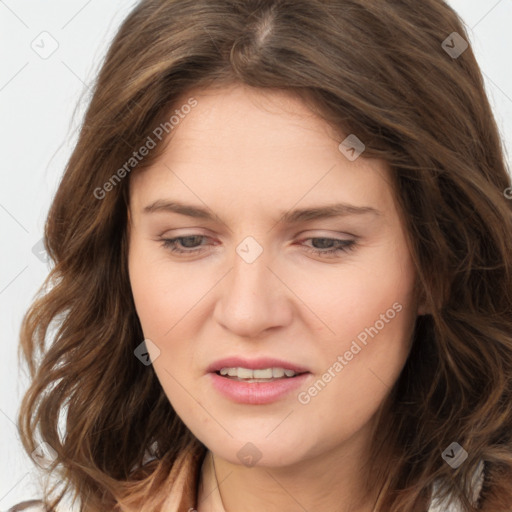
250,375
259,382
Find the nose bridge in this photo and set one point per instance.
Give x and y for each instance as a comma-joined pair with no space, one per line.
251,297
252,259
249,280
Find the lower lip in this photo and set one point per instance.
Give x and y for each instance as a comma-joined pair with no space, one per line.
257,393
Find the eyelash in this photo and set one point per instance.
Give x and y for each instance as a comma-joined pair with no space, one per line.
346,246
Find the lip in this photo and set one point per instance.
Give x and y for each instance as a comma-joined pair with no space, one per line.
254,364
257,393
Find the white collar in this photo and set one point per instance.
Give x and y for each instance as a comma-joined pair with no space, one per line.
454,504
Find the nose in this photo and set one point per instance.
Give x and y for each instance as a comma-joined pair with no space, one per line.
253,298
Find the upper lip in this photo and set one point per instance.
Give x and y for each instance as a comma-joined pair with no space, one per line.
254,364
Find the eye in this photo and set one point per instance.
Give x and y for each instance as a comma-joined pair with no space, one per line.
191,244
187,241
334,247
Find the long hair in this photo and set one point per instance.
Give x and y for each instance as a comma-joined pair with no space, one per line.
385,71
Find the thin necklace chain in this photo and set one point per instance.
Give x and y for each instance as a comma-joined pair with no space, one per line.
217,484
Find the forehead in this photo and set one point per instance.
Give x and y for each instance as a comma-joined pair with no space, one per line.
242,147
273,118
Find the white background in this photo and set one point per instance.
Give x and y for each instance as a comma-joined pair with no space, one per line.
39,118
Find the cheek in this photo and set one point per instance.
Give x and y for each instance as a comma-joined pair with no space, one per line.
368,314
345,299
148,293
373,315
375,301
163,295
163,304
168,303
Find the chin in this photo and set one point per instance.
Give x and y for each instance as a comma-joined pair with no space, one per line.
253,451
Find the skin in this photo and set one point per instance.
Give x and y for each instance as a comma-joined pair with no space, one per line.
248,156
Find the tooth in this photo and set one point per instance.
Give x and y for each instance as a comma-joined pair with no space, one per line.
263,374
277,373
244,373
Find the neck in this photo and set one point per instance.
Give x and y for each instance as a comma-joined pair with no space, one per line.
228,487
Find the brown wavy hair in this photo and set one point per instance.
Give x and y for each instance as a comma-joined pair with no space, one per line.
373,68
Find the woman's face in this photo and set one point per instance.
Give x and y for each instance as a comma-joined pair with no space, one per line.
256,279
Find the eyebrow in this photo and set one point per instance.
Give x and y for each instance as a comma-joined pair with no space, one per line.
287,217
